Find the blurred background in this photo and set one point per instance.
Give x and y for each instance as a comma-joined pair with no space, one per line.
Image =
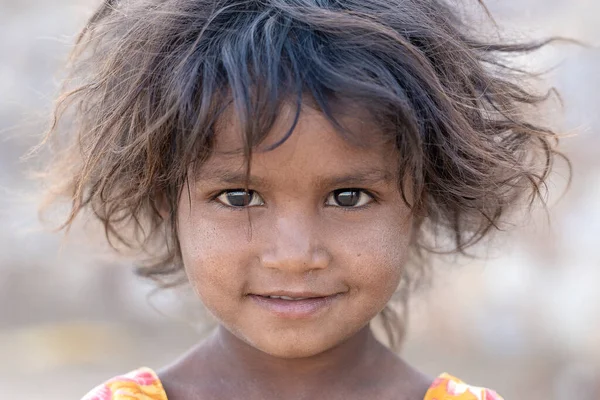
526,321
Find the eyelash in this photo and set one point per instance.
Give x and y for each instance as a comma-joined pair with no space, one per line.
373,199
215,199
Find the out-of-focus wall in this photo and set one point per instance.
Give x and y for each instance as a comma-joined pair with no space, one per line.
526,322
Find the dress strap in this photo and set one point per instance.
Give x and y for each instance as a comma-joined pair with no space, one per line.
448,387
141,384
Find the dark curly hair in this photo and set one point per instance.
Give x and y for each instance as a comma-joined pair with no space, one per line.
150,80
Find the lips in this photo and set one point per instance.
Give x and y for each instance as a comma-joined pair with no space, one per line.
298,305
294,295
290,298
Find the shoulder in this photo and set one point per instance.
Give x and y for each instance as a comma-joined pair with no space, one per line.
141,384
448,387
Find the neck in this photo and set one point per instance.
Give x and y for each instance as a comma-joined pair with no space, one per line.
343,366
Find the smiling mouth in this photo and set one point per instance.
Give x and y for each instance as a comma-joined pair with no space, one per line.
295,306
293,298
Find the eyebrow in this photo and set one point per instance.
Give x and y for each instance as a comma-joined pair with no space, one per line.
359,178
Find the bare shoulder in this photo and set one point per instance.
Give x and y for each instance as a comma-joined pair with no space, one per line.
420,384
411,384
192,377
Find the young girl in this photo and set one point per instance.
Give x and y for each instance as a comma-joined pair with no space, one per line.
296,160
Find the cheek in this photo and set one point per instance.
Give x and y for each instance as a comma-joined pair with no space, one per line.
376,255
211,256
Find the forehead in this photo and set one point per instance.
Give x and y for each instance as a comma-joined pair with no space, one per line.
316,154
353,132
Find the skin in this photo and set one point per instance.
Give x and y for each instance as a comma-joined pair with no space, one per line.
295,236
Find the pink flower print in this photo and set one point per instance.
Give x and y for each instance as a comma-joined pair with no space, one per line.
101,392
491,395
437,382
143,378
456,389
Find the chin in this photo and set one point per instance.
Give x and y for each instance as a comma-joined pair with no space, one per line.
294,344
292,350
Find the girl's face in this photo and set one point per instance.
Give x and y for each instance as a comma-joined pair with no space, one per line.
323,225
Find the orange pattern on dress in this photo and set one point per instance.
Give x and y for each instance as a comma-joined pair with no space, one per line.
143,384
447,387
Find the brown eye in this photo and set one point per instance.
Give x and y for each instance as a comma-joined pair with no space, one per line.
349,198
240,198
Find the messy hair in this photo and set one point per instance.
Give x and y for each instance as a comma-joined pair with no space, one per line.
150,80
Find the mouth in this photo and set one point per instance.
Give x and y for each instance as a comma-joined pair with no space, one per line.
292,298
295,305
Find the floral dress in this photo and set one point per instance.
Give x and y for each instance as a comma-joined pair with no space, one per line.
143,384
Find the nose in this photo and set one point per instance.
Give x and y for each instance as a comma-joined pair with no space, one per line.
295,246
